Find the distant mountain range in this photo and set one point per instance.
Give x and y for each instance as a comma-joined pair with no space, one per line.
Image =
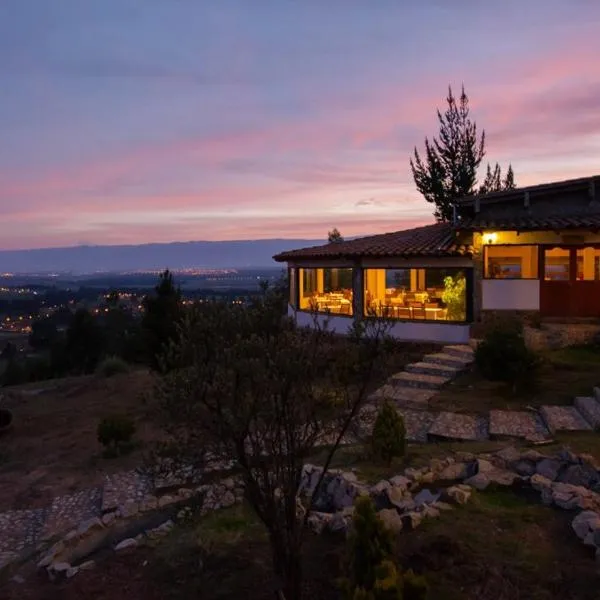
175,255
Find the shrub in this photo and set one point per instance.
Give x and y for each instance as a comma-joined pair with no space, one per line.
503,355
389,434
115,434
112,365
414,586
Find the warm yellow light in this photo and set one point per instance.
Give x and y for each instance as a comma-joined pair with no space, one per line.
490,238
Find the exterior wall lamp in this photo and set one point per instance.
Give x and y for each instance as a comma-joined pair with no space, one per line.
490,238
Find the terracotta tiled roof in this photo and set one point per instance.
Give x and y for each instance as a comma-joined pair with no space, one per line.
584,221
432,240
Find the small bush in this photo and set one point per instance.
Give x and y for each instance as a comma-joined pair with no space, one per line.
414,586
389,434
503,356
115,433
112,365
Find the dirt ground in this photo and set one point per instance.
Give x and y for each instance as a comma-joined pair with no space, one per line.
52,448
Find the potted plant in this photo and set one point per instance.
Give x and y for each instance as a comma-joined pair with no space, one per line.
454,297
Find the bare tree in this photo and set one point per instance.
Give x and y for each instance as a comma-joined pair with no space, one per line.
252,388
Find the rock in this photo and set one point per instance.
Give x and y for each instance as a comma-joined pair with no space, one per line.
524,467
548,468
430,511
59,567
413,474
532,456
461,456
582,475
539,482
565,500
400,499
428,477
585,522
391,519
129,509
457,495
454,472
479,481
484,466
149,503
589,539
89,526
380,487
71,537
590,461
442,506
509,455
72,572
567,456
317,521
425,497
88,565
166,500
126,543
185,493
436,465
399,481
411,520
109,518
546,496
501,477
228,499
229,483
339,522
45,561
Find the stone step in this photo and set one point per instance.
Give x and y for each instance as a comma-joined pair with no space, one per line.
517,424
563,418
416,380
67,512
417,424
425,368
460,350
121,487
402,396
590,409
448,360
21,530
458,426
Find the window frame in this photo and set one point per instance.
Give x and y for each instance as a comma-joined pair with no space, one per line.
485,259
299,276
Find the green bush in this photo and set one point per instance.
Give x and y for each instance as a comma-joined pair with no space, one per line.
115,433
503,355
112,365
414,586
389,434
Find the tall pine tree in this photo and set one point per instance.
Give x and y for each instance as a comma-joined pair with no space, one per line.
448,170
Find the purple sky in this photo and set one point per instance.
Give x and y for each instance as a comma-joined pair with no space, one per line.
127,121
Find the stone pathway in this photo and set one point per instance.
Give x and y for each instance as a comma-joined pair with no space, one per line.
412,390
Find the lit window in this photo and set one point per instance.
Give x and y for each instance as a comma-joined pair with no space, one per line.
416,294
557,264
511,262
327,290
588,264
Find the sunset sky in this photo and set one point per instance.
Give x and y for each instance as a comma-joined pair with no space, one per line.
129,121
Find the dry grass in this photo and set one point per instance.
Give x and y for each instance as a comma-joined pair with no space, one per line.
52,448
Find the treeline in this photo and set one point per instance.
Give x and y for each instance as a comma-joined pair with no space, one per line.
75,343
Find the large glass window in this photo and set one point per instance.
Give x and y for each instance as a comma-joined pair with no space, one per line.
326,290
557,264
511,262
588,264
416,294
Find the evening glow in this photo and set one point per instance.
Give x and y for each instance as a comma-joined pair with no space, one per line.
129,121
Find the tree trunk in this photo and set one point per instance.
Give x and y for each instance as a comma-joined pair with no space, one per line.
287,564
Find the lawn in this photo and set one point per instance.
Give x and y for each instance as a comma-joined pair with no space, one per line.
563,375
500,546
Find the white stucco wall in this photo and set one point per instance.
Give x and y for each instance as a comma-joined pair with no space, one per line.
447,333
510,294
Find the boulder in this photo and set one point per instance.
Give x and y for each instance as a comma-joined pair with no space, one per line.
457,495
585,522
411,520
454,472
479,481
88,565
89,526
166,500
546,496
581,475
436,465
400,499
149,503
129,509
414,474
72,572
548,468
442,506
425,497
524,467
380,487
567,456
508,455
430,511
340,521
532,455
428,477
391,519
317,521
539,482
399,481
484,466
126,543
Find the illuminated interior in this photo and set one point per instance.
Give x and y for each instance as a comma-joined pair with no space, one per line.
511,262
416,294
327,290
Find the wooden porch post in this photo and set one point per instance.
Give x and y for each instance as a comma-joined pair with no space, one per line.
358,290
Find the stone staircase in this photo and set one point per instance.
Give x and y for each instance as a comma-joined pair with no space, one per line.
413,389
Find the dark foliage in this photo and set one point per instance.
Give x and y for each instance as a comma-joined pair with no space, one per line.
389,434
115,433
